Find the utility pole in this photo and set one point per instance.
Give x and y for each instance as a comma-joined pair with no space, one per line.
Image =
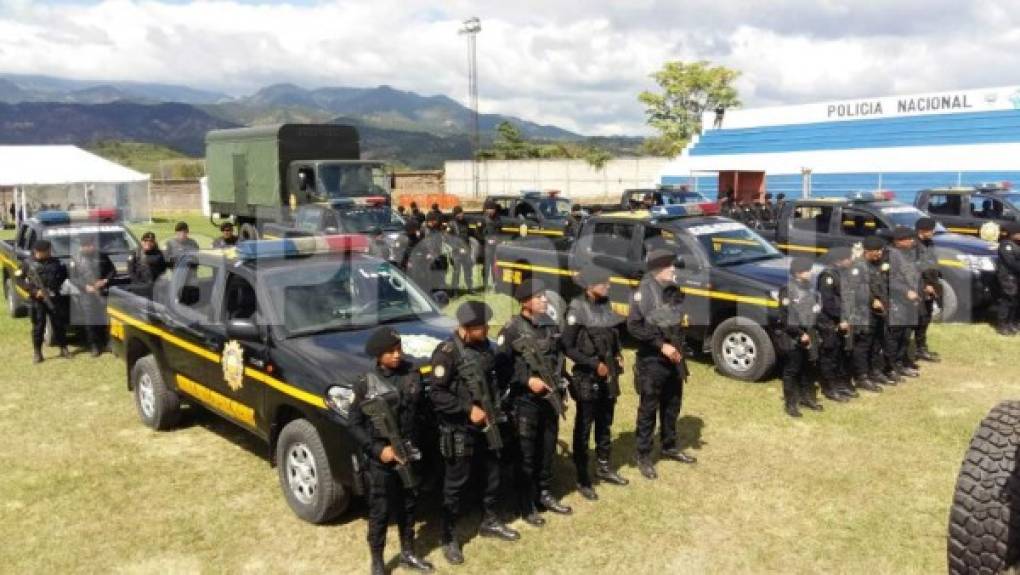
471,27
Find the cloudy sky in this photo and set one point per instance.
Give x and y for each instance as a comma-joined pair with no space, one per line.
579,64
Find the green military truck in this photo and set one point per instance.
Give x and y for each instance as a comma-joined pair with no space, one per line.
262,174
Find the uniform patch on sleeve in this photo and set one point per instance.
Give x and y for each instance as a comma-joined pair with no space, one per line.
500,339
637,296
855,272
885,267
439,370
816,308
571,319
785,301
829,280
1009,248
18,273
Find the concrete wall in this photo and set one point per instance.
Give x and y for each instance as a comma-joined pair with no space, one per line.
175,195
428,182
575,179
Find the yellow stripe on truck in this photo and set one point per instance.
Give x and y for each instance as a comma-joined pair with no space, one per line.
214,357
233,409
800,248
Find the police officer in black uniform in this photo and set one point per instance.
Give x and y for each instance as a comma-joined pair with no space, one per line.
881,357
395,382
491,224
42,278
536,418
799,307
855,292
428,262
461,421
928,264
656,321
834,325
591,339
91,273
1008,274
904,298
227,237
463,262
148,263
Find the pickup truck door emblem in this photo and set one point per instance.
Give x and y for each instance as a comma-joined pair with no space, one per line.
233,364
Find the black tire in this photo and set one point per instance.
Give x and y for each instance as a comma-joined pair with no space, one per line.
984,521
950,309
14,306
159,407
247,231
305,475
742,350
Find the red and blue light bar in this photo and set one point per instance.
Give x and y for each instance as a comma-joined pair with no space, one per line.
303,246
875,196
64,217
689,209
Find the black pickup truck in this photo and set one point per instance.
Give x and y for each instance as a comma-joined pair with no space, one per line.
731,276
812,226
661,196
270,335
64,230
976,211
532,213
372,216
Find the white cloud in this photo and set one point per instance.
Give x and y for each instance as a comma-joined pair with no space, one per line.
575,65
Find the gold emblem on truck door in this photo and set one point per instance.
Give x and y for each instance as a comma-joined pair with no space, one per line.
233,365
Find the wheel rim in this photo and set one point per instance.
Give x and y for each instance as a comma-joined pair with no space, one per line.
146,396
302,474
739,351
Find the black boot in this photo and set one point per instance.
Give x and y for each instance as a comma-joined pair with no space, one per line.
588,492
378,563
830,391
907,371
533,518
925,354
95,351
411,561
867,385
604,473
893,378
791,409
878,378
492,527
675,454
646,467
64,353
452,552
37,356
547,500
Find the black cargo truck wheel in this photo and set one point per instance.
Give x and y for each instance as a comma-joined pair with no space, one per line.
305,476
742,350
248,231
984,520
159,407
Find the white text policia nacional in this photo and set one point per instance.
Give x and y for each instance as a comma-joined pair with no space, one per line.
903,106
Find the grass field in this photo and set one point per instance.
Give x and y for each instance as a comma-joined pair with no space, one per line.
860,488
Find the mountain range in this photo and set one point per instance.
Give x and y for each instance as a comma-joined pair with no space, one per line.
406,127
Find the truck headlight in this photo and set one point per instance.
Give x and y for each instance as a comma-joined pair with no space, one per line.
977,263
339,399
774,294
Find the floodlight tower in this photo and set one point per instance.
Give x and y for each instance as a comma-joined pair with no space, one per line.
470,28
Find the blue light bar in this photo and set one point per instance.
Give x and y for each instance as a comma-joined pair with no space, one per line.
688,209
53,217
303,246
879,196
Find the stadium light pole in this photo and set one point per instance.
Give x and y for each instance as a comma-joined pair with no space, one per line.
470,28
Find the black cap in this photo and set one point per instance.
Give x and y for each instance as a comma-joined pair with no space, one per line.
473,313
768,196
457,210
780,196
873,243
592,275
181,227
382,340
41,245
528,289
151,236
491,205
226,226
840,253
658,259
902,233
924,224
800,264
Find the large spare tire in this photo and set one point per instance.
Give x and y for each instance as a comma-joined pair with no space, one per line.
984,521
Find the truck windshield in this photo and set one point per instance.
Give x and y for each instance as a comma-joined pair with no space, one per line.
363,219
730,243
110,239
553,208
676,197
346,180
336,295
906,216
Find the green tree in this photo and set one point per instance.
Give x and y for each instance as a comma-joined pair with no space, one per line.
510,144
687,91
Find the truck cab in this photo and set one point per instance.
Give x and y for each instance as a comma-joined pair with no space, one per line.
270,336
64,230
532,213
812,226
976,211
661,196
730,275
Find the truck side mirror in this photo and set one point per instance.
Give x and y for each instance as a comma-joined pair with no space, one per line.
441,298
243,330
189,295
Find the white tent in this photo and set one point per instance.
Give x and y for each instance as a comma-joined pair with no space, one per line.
67,177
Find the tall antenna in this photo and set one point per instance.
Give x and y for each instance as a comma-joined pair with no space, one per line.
470,28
